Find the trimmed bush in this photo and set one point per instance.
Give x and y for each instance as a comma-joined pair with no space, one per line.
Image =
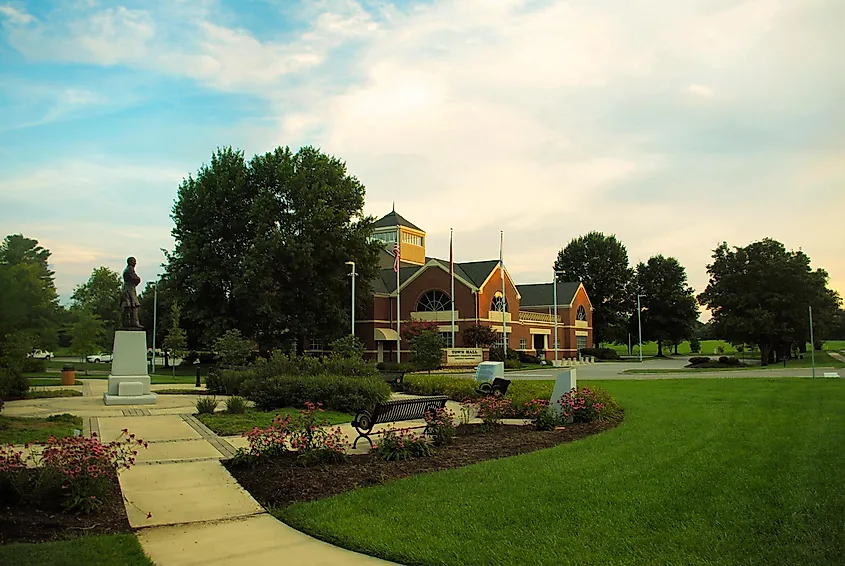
512,364
32,365
455,388
393,366
227,382
695,360
349,366
600,353
527,358
729,361
13,384
340,393
236,405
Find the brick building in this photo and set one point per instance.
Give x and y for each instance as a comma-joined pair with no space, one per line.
425,290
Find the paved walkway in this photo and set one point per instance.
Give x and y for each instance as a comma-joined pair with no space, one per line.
199,514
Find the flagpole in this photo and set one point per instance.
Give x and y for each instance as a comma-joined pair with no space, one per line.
452,273
502,271
398,310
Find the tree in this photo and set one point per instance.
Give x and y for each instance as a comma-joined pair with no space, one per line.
261,246
232,349
85,333
175,341
101,295
161,312
669,306
348,347
601,263
760,295
29,304
480,335
694,345
412,329
427,350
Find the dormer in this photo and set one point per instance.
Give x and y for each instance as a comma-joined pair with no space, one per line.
392,228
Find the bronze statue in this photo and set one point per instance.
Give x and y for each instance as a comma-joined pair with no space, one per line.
129,300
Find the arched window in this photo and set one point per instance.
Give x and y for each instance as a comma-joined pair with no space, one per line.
496,304
582,313
434,301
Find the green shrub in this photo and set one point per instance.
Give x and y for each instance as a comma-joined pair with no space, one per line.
32,365
349,366
525,358
547,419
401,444
441,426
729,361
12,383
347,347
236,405
227,381
341,393
206,405
512,364
695,360
427,350
497,354
456,388
393,366
694,345
600,353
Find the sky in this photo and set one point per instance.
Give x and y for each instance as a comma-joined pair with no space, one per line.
674,125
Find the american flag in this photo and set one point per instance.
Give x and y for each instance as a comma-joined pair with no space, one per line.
396,257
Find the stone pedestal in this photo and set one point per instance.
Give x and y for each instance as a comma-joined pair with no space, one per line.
129,383
565,381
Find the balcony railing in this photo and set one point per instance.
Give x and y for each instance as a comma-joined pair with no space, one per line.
528,316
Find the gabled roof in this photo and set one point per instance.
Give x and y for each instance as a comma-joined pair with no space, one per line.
386,282
477,271
392,219
542,294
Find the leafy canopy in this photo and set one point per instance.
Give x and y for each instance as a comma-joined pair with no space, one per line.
261,246
601,263
670,309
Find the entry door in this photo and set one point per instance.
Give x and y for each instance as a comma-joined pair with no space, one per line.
380,354
539,341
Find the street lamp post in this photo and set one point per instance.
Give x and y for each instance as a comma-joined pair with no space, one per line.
554,283
640,326
155,313
352,264
812,343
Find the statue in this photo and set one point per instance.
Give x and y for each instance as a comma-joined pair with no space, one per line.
129,300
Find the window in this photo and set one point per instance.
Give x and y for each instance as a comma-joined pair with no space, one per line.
447,339
582,342
582,313
385,237
412,239
496,304
316,344
434,301
523,343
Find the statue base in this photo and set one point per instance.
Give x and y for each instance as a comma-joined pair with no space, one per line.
129,383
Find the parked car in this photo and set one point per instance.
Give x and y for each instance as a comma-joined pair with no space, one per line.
97,358
40,355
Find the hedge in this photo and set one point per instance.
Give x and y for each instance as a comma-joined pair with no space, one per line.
340,393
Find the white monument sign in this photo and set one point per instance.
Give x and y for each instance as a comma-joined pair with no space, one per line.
464,356
564,383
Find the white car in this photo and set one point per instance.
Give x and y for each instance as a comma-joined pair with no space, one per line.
40,355
97,358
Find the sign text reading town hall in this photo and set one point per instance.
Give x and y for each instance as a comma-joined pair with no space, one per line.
464,356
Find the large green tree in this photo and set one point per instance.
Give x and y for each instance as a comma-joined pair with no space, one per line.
101,296
601,263
29,304
261,246
670,310
760,294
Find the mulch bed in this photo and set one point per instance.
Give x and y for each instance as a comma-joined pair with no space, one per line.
45,521
283,480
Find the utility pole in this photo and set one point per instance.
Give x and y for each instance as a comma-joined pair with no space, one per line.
353,274
812,343
640,326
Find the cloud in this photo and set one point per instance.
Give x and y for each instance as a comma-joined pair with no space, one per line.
673,124
15,16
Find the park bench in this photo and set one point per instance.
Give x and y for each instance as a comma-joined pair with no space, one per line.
497,389
395,411
393,377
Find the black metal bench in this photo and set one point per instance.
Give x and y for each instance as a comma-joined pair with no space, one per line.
497,389
395,411
392,377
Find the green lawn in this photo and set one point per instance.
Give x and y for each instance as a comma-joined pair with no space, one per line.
230,425
740,471
101,550
823,359
834,345
21,430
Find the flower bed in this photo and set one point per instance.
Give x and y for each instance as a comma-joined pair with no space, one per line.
64,487
283,480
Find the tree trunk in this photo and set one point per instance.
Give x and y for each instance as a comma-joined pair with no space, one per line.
765,351
676,348
660,348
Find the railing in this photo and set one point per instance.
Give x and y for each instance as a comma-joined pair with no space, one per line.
528,316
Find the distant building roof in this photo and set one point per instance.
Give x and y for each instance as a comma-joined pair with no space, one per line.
542,294
392,219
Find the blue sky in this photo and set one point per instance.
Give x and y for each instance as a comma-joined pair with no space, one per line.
675,125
